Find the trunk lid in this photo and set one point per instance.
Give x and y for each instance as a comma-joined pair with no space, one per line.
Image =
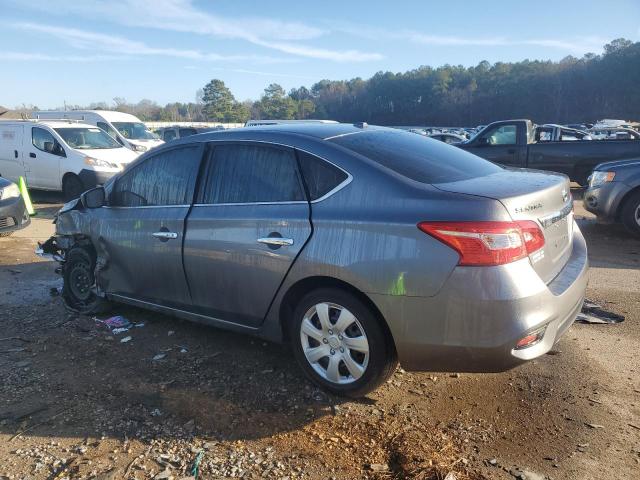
543,197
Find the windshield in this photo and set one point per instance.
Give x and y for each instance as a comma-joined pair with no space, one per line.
134,131
87,138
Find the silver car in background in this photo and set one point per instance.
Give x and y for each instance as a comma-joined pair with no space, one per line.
358,245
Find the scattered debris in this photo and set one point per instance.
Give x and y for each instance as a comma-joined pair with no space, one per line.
196,464
159,356
125,340
55,291
594,425
377,467
594,314
117,331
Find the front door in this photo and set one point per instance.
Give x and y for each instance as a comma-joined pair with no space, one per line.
140,233
499,145
11,166
42,157
250,221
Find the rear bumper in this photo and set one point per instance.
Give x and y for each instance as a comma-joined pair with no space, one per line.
13,215
475,321
604,200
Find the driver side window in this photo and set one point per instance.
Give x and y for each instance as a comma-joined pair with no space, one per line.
43,140
502,135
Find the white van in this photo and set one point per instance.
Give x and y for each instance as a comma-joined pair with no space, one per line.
61,155
127,129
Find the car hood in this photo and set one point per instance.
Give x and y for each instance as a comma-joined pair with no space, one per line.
618,164
114,155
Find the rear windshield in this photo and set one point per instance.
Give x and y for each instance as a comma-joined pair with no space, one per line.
416,157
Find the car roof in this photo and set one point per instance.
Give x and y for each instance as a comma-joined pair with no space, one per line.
317,130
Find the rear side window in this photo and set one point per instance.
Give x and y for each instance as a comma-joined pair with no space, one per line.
167,178
416,157
169,135
250,174
185,132
320,176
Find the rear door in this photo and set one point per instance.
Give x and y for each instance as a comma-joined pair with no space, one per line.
11,150
249,222
142,230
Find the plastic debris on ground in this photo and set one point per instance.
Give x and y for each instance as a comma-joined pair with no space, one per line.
117,324
593,313
125,340
159,356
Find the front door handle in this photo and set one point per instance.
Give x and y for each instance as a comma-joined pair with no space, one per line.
32,155
165,235
276,241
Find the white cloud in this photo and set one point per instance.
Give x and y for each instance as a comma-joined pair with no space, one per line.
184,16
82,39
41,57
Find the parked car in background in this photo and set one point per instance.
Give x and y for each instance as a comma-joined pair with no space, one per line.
513,143
551,132
613,194
448,137
125,128
169,134
13,212
63,155
618,133
358,245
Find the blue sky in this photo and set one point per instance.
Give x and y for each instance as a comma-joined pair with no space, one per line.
165,50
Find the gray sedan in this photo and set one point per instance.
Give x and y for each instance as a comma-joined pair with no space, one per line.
358,245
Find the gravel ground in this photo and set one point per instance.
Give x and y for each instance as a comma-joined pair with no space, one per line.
78,402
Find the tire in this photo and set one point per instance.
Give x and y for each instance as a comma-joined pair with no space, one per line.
630,213
351,323
78,277
72,187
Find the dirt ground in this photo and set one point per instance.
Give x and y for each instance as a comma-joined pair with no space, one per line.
78,402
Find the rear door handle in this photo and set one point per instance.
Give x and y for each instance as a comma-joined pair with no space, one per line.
15,153
165,235
276,241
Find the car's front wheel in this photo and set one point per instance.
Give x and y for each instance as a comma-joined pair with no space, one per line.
78,287
340,344
630,214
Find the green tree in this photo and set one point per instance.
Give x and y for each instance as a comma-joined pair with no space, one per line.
219,102
274,104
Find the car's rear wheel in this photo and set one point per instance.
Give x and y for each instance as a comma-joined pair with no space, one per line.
78,288
340,344
72,187
630,214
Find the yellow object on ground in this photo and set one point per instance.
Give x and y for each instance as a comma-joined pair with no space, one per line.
22,185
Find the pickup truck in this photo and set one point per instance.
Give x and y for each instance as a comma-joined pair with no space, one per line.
513,143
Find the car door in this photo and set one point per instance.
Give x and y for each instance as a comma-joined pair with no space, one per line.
140,233
11,161
499,145
43,155
249,222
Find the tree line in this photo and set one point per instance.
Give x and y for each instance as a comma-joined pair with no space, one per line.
570,90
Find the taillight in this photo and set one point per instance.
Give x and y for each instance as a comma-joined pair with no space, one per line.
487,243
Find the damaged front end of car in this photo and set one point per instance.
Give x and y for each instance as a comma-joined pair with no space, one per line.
79,263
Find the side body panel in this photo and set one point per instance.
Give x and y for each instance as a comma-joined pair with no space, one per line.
11,151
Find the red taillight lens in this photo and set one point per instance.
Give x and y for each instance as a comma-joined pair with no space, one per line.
487,243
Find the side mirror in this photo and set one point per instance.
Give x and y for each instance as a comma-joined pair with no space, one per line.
48,147
94,198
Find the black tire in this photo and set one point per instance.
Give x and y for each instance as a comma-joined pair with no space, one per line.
79,280
72,187
630,213
382,360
